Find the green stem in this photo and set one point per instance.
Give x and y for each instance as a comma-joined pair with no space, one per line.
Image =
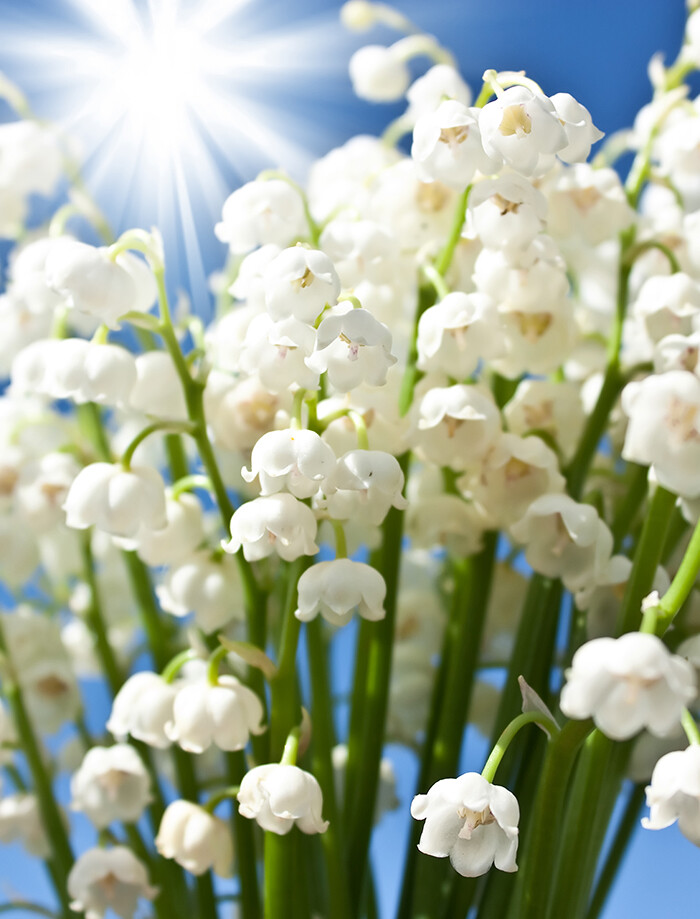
690,727
244,837
375,704
151,617
51,817
539,853
285,710
507,736
411,376
646,559
681,585
618,850
171,427
626,512
25,907
177,663
445,258
323,742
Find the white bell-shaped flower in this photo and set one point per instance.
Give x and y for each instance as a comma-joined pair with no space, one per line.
507,212
337,588
555,409
352,347
564,539
365,484
299,282
447,521
111,784
664,429
93,284
181,535
522,129
628,683
259,213
457,425
412,679
225,714
157,389
440,82
142,708
249,284
668,304
677,352
674,793
279,796
295,460
51,692
588,204
239,411
42,487
470,820
19,328
581,133
447,145
458,332
515,472
20,820
205,585
195,839
103,880
274,524
361,250
378,73
116,500
277,352
31,159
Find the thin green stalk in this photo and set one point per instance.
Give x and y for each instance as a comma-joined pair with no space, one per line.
629,821
105,652
357,719
508,735
411,376
375,705
539,853
152,620
445,258
323,741
646,559
26,907
463,639
246,854
285,711
51,817
626,512
681,585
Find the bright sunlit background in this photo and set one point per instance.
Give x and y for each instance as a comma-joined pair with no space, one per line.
171,105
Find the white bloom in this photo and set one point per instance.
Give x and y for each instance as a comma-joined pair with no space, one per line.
117,500
299,282
457,425
278,796
273,524
277,352
445,520
259,213
667,305
674,793
553,408
225,714
157,389
677,352
458,332
20,819
581,133
447,145
51,691
440,82
19,327
204,585
108,879
378,74
523,130
337,588
564,540
361,250
412,679
515,472
249,284
8,735
182,533
353,348
470,820
664,429
588,204
507,212
111,784
95,285
142,708
294,460
239,411
31,160
196,839
628,683
42,487
365,484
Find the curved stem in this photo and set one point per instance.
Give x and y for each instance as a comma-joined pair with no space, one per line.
692,732
681,585
506,738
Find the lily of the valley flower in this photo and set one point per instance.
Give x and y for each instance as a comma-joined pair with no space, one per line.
278,796
195,839
108,879
337,588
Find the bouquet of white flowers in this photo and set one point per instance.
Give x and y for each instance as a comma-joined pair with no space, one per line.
444,430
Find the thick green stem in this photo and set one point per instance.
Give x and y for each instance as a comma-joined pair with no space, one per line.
323,741
681,585
244,836
375,704
51,817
